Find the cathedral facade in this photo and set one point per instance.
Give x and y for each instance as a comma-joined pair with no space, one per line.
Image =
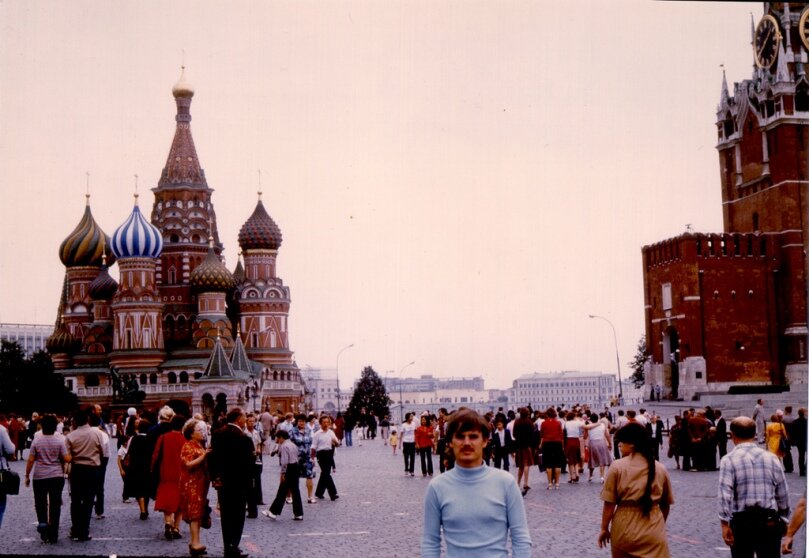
177,325
730,308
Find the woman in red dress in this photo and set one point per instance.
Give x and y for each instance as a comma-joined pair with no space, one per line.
194,482
166,463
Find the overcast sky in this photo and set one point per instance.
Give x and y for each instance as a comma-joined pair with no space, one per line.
458,183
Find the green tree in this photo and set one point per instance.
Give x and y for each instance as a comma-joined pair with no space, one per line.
369,394
28,385
641,355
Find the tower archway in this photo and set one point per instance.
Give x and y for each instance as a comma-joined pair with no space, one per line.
671,359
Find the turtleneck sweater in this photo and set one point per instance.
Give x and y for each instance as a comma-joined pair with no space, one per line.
475,507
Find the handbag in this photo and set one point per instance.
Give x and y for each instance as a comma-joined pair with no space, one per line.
783,444
9,480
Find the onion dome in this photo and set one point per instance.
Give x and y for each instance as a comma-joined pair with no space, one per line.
103,286
137,238
238,273
182,88
212,275
61,341
85,245
260,231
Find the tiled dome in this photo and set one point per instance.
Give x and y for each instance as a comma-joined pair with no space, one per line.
238,273
103,286
137,238
212,275
61,341
86,244
260,231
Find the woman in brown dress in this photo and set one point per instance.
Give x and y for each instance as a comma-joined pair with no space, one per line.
637,497
194,482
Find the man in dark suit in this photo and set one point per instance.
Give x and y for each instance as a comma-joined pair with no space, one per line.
501,445
655,428
231,459
721,433
797,436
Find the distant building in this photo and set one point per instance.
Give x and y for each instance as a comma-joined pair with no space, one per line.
555,388
31,337
321,389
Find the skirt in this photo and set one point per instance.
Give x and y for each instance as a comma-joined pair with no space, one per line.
573,451
553,456
525,457
599,454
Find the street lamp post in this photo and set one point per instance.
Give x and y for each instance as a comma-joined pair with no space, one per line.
401,406
617,360
337,372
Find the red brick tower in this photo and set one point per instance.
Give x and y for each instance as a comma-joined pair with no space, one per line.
730,308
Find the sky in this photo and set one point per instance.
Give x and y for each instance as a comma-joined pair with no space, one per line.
458,184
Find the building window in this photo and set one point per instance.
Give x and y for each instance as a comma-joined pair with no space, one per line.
91,381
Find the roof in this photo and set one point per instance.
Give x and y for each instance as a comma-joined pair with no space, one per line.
561,375
218,364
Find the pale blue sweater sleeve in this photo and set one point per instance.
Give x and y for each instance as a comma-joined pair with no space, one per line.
431,535
518,523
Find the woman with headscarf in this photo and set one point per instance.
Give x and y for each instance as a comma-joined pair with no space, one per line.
637,497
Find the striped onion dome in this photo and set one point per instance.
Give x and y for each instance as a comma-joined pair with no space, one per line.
238,273
260,231
212,275
103,286
137,238
61,341
86,244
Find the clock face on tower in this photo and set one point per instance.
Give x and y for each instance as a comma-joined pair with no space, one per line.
766,42
803,28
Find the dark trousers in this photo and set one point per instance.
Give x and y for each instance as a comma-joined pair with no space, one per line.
83,482
348,437
501,459
755,532
48,505
98,500
802,460
723,449
789,466
409,453
289,485
440,449
231,509
255,496
426,455
325,459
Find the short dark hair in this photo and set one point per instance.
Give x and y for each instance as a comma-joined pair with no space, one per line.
281,433
465,420
48,424
234,414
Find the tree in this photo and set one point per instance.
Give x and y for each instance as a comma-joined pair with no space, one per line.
369,394
638,363
28,385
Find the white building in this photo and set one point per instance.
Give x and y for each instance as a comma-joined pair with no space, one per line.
31,337
555,388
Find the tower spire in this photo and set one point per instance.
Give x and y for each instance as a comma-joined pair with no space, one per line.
87,191
182,166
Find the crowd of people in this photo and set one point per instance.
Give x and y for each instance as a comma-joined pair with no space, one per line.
171,461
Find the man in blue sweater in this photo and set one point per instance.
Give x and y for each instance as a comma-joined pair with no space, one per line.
477,507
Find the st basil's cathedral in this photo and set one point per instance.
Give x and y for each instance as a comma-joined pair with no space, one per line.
177,325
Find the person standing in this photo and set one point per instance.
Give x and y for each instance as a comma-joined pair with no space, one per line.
441,444
798,437
787,419
384,429
232,454
166,463
323,443
753,495
194,483
501,444
301,435
47,458
136,465
98,500
6,448
425,438
255,498
476,507
524,437
408,431
721,433
84,448
759,418
573,435
774,435
637,498
289,481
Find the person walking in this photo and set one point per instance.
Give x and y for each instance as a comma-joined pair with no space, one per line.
600,444
84,448
384,429
98,499
775,437
323,443
759,418
301,435
256,498
798,437
166,464
753,495
136,465
425,438
408,432
289,479
6,448
524,437
476,508
637,497
551,446
194,483
47,457
232,454
573,434
721,433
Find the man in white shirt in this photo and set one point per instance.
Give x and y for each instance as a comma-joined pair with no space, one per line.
323,443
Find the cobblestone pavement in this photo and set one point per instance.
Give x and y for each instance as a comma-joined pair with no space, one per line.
378,515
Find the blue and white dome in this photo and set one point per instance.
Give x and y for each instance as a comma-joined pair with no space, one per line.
137,238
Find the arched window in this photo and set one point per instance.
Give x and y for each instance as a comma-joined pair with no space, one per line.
153,379
143,379
802,98
172,378
183,377
91,381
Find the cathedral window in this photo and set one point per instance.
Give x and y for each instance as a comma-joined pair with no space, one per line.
755,221
91,381
128,339
153,379
143,379
802,98
183,377
172,378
